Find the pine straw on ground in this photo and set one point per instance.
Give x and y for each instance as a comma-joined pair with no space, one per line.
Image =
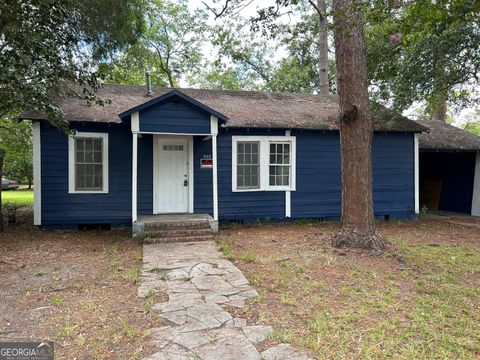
345,303
78,289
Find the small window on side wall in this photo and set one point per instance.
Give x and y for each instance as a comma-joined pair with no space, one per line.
88,163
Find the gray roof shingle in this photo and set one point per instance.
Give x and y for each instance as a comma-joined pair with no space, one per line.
252,109
445,137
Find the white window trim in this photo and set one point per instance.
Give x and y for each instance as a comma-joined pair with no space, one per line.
71,162
264,162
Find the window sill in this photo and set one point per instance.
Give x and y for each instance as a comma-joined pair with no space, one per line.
264,190
89,192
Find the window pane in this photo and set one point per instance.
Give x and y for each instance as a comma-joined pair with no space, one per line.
97,157
80,177
240,182
80,157
79,143
248,158
97,145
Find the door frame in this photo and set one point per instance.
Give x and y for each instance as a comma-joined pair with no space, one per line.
189,138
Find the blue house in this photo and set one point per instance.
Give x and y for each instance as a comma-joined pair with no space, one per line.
232,155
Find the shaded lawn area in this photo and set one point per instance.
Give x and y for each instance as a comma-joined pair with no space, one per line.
18,197
340,303
78,289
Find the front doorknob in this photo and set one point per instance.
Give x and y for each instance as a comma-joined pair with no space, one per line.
185,183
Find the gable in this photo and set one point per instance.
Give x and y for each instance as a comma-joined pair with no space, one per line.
174,115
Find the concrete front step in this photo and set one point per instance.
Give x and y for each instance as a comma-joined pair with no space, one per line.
177,225
183,227
182,239
178,232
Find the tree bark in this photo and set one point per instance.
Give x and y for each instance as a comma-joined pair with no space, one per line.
323,47
439,106
2,224
356,131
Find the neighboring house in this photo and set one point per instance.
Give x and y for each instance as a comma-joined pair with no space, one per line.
449,169
238,156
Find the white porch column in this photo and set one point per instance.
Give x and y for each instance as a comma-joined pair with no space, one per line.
288,193
135,129
417,173
214,132
37,175
476,188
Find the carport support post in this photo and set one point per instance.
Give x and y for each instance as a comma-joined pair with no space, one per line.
417,173
476,188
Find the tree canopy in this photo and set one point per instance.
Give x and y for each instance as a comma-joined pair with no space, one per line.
169,48
45,45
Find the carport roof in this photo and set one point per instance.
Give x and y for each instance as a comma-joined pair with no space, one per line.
445,137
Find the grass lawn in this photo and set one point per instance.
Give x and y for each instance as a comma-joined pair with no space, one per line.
19,197
79,289
343,304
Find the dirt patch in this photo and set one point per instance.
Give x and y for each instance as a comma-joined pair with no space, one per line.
345,303
78,289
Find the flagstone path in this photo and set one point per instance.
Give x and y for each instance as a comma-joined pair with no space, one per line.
200,283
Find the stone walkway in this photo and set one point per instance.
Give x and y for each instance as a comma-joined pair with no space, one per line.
200,283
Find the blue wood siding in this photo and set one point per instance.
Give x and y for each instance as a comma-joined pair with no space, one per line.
318,180
245,206
174,117
145,175
393,175
203,182
63,210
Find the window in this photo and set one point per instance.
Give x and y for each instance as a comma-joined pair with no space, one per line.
279,167
88,163
172,147
263,163
248,165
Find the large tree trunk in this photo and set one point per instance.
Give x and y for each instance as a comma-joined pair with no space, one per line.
2,225
323,47
356,130
439,106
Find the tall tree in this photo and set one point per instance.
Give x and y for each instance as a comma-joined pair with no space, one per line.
356,130
2,156
47,44
169,49
321,8
16,140
424,51
251,54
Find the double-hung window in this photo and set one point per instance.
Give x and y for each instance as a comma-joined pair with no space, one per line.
263,163
88,163
280,166
248,165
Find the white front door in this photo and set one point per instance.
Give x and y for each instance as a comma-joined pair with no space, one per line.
171,182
